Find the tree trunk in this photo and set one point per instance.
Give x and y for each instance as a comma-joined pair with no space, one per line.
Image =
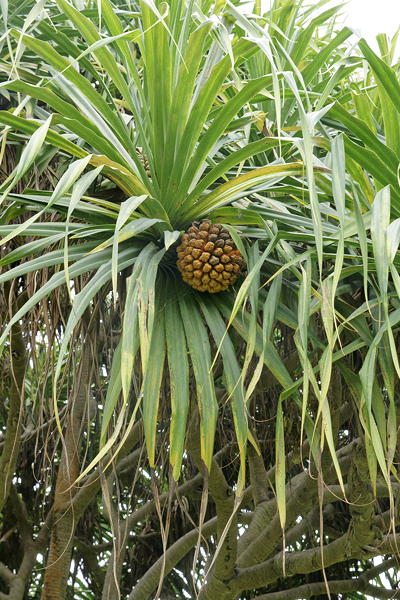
64,519
8,460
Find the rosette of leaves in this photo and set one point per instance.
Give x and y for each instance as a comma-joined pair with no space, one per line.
160,80
201,98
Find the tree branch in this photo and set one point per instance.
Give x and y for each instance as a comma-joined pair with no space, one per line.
223,497
292,563
309,590
361,500
184,489
361,584
12,443
6,574
312,589
149,582
258,477
301,494
19,510
65,520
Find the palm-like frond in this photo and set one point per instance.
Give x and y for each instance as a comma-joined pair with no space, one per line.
166,104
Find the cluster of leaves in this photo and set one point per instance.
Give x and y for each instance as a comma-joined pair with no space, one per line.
142,118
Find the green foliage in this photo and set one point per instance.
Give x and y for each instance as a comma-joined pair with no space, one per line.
161,113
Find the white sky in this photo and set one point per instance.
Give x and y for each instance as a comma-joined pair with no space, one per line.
371,17
368,17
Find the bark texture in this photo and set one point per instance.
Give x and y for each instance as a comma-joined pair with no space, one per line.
64,517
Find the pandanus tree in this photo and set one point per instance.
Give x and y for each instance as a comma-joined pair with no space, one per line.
160,440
